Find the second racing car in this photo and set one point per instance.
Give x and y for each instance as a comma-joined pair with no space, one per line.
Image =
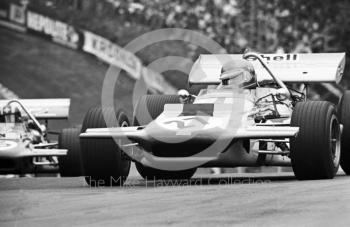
25,146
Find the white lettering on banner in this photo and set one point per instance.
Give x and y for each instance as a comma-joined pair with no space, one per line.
60,32
116,55
17,14
44,24
112,53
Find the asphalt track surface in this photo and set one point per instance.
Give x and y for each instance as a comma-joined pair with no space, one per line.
235,199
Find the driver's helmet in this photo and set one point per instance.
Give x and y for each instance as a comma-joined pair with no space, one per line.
238,72
184,96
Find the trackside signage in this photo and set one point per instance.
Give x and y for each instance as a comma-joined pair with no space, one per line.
60,32
17,14
112,53
19,18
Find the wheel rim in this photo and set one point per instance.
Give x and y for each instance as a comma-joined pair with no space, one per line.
335,141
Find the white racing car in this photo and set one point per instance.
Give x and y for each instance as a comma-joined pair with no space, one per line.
254,112
24,144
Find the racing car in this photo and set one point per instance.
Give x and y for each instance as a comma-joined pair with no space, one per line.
25,147
253,112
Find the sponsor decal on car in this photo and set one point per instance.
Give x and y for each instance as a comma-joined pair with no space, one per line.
277,57
190,122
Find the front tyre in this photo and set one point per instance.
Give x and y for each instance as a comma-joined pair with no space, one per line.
315,152
70,165
103,160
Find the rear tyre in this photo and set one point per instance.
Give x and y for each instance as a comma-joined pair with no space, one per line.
103,161
344,118
148,108
315,152
71,164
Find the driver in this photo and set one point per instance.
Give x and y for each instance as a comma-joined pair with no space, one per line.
185,97
239,72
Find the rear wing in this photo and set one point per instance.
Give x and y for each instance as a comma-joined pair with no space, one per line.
43,108
293,68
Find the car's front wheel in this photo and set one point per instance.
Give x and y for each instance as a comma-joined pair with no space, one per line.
315,152
103,160
70,165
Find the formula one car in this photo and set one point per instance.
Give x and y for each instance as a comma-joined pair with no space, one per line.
24,144
254,112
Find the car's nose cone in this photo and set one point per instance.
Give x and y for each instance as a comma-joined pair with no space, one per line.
181,136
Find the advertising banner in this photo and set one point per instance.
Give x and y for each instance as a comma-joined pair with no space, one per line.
12,16
17,14
112,53
19,18
58,31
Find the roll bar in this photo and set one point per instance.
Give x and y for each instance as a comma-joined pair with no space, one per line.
275,78
37,124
